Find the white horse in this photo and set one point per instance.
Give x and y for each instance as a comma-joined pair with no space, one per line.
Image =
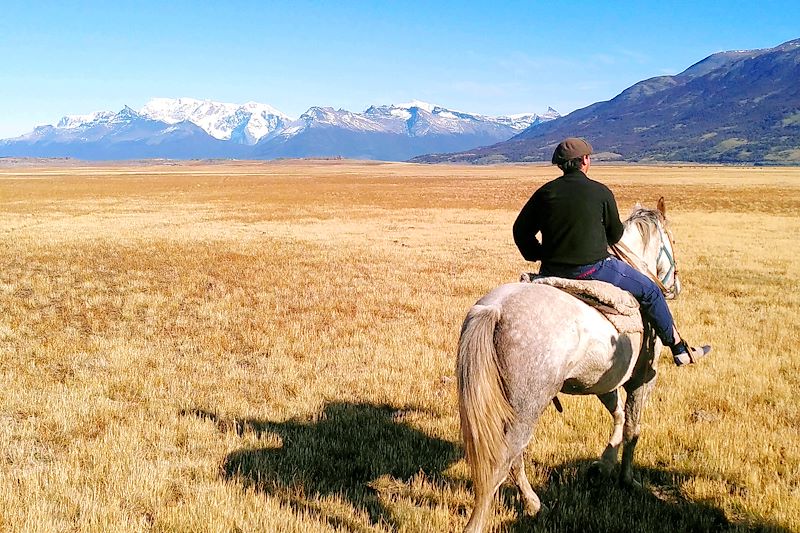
523,343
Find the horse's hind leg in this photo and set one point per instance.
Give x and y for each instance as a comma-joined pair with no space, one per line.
613,402
517,437
532,503
485,497
634,404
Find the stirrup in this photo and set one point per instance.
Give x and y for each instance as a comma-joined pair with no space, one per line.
693,353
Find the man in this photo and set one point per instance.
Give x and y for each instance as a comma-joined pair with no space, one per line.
578,219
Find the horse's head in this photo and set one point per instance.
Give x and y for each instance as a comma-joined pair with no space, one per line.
652,241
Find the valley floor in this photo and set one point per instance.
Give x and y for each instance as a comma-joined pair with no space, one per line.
270,346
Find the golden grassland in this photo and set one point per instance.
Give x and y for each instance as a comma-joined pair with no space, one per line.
271,347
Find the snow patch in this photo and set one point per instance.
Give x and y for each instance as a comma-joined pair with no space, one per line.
219,119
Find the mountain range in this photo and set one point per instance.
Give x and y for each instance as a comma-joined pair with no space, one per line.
738,106
186,128
732,107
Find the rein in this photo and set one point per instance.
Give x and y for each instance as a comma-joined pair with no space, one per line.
623,253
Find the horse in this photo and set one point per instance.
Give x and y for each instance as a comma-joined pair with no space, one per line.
523,343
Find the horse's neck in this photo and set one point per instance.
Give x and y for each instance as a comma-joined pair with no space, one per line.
633,239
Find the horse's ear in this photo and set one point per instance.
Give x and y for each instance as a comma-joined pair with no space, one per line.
662,206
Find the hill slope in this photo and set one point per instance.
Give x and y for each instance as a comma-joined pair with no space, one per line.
740,106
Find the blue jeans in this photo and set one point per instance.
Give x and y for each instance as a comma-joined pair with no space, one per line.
620,274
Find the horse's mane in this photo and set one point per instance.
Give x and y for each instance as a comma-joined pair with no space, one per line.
645,220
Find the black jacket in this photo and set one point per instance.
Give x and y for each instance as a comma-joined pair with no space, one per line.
578,219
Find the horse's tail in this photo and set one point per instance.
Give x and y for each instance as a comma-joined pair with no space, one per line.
482,400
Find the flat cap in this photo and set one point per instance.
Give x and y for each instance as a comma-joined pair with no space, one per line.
570,148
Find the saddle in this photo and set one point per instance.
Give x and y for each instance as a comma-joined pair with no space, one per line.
617,305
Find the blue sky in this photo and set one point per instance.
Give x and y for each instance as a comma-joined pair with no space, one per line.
492,58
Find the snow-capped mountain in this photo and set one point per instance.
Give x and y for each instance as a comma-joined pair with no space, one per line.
415,119
77,121
422,118
89,128
191,128
390,132
122,135
329,117
524,121
245,124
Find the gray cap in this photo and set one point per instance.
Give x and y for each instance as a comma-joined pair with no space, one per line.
571,148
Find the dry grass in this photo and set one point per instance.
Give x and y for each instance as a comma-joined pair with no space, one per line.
270,347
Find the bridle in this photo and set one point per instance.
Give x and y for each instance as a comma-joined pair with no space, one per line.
666,235
624,253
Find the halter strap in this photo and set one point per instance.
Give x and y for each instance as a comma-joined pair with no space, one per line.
666,235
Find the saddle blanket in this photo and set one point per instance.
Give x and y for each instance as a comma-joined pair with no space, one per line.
617,305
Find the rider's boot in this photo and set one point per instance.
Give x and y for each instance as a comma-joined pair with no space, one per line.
683,354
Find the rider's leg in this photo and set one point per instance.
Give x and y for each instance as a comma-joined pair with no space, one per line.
651,302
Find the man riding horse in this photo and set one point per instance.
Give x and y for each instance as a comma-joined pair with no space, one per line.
578,220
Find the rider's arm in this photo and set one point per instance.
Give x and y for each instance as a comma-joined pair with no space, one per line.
525,229
614,228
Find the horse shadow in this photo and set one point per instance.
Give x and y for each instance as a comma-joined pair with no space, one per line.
341,453
349,446
575,501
